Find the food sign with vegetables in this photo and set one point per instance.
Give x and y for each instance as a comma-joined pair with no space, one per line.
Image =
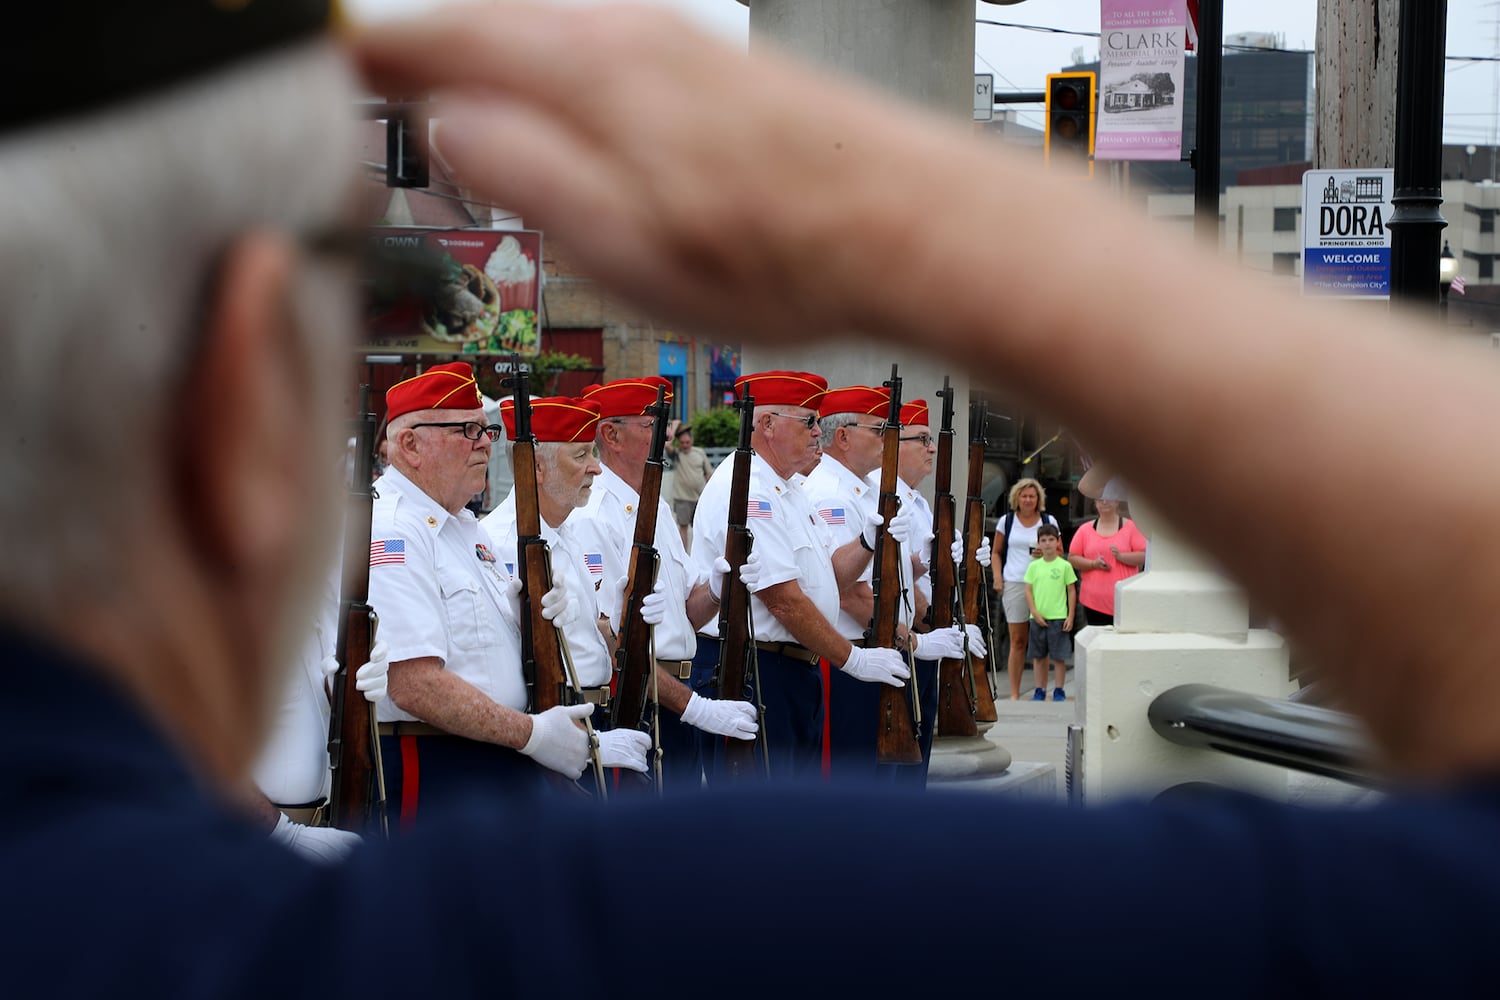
453,291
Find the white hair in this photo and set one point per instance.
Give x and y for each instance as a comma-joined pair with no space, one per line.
830,425
111,225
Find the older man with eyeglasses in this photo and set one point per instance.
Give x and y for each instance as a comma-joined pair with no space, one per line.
454,722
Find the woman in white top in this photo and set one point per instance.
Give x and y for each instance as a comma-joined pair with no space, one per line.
1015,541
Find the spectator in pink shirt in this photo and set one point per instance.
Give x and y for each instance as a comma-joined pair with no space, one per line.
1108,549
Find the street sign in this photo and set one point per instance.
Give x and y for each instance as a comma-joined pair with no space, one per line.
1346,246
984,97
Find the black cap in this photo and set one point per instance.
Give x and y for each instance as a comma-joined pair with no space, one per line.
81,57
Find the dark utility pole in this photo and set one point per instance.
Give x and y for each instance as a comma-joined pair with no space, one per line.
1416,222
1210,96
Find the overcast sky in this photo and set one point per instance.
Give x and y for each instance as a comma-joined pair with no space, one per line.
1020,59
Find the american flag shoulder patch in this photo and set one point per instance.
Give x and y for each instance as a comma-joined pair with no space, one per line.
831,515
595,562
388,552
758,508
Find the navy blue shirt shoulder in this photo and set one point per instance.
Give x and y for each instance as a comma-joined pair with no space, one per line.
121,875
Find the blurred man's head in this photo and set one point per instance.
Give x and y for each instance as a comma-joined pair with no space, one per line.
157,293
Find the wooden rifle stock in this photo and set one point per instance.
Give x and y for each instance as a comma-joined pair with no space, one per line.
896,736
356,797
542,650
735,650
634,663
955,707
971,577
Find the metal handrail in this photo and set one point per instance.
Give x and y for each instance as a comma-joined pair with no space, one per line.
1271,730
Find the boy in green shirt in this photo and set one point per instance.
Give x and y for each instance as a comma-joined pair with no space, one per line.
1052,597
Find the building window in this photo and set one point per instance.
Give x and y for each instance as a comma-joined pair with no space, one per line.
1486,220
1283,263
1486,268
1286,220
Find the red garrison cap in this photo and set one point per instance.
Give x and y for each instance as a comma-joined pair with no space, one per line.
914,413
627,397
865,399
555,418
441,387
783,388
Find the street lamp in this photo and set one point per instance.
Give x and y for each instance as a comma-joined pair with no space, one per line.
1447,271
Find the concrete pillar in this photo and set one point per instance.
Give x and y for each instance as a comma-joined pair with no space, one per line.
1356,83
923,51
1179,622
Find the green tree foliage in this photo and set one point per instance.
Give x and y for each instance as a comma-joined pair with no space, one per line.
716,428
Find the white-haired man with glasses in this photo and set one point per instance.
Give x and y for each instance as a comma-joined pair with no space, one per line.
454,723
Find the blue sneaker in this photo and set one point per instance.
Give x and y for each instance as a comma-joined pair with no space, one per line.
1058,694
1040,694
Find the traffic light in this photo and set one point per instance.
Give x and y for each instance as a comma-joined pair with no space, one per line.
1069,137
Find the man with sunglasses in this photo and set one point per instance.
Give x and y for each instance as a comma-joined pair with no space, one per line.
802,569
454,722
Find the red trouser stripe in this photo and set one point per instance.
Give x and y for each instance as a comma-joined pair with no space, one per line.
827,670
410,779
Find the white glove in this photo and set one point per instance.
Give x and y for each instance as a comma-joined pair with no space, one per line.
982,554
558,605
883,665
322,844
558,742
751,572
654,607
903,528
716,578
939,644
957,549
625,748
371,679
723,718
976,641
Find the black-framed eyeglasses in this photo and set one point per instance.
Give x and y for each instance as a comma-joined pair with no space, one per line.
810,421
926,439
472,429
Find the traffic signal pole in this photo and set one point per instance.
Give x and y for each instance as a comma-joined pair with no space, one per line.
1210,65
1417,220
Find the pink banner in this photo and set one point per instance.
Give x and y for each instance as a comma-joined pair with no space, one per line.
1141,74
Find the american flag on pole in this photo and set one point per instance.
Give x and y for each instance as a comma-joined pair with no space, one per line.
758,508
1457,288
831,515
388,552
595,562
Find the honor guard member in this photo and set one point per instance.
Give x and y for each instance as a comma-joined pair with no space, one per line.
852,419
566,465
913,466
292,771
801,569
455,722
683,599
